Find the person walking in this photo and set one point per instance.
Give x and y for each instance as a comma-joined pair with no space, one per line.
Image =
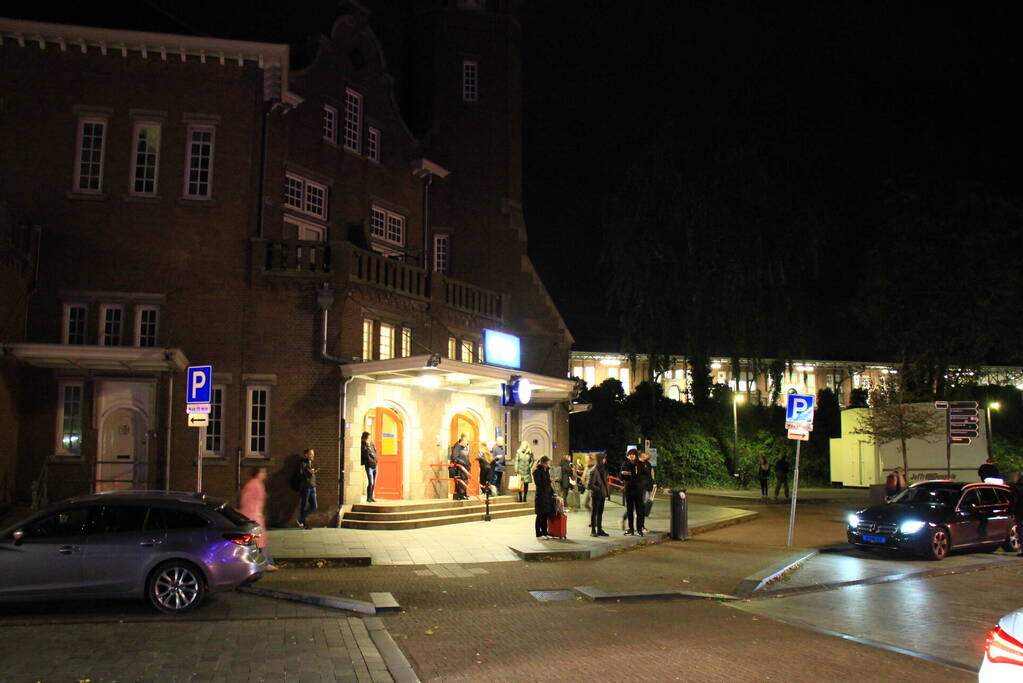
369,462
781,476
524,468
252,503
633,491
306,487
459,467
596,486
543,503
485,460
565,478
763,475
499,463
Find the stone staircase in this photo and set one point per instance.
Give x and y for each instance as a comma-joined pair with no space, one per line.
396,515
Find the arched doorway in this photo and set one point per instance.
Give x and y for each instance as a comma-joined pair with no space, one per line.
463,423
540,441
386,431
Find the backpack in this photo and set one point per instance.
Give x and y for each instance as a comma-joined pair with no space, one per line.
296,478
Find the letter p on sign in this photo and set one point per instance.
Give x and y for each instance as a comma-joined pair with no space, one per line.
199,383
799,408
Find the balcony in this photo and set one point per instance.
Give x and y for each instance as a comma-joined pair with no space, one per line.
342,262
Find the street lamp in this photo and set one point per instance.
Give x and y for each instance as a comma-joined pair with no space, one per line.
736,400
993,405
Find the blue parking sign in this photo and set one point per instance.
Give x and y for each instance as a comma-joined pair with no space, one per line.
799,408
199,383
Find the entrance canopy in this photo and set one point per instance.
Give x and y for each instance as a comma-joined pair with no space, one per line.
104,358
434,372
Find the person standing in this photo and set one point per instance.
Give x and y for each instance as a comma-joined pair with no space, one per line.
988,470
543,502
1017,489
306,487
252,503
763,475
584,481
460,466
369,461
645,476
499,463
485,460
524,468
894,482
596,485
565,477
781,476
633,490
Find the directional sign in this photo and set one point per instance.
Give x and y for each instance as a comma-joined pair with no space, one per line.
199,383
198,420
799,435
799,408
963,422
960,441
198,408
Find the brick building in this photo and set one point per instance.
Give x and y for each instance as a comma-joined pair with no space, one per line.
199,201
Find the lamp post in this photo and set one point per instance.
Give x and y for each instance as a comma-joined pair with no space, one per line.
993,405
737,398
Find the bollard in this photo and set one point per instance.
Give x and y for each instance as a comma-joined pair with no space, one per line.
679,515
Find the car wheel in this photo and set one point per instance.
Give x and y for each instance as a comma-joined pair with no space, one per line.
1012,540
939,545
176,587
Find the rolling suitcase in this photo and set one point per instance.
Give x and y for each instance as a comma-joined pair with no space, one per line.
558,526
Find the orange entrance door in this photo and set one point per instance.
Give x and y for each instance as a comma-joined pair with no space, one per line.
465,424
386,429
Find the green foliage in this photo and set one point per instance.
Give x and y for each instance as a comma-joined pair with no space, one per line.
1007,452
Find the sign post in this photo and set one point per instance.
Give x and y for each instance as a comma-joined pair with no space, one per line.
799,423
197,404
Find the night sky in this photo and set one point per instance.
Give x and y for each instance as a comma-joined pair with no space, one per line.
851,94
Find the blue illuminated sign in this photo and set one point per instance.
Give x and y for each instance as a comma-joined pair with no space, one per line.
500,348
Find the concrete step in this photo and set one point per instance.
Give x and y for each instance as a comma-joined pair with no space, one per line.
402,506
401,514
383,524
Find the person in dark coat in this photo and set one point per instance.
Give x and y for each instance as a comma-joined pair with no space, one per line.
988,470
781,476
306,487
1017,489
565,479
599,492
485,460
369,461
543,501
500,464
459,467
634,487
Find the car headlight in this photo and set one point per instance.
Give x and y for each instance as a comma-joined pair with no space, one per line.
911,527
854,521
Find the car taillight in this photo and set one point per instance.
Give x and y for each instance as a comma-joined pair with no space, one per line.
1001,648
240,539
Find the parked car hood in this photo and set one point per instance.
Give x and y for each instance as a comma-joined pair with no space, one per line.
901,512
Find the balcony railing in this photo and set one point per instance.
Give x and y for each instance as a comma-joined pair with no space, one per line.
342,262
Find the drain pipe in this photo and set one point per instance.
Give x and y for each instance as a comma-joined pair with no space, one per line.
325,300
167,434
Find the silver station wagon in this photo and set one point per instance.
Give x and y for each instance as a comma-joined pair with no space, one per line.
171,548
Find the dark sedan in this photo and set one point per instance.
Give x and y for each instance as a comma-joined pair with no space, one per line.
932,518
171,548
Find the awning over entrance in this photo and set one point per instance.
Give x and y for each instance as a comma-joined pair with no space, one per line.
453,375
104,358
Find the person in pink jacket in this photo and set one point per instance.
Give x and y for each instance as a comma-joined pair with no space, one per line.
251,502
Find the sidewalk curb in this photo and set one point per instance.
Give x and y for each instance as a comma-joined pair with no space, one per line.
587,552
397,665
595,594
346,604
754,582
745,516
323,561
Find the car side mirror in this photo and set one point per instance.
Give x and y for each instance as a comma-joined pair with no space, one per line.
18,537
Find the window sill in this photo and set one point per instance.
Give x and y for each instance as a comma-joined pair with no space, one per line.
87,196
215,460
195,201
142,199
331,143
354,153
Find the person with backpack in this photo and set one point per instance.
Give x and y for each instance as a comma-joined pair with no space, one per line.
305,482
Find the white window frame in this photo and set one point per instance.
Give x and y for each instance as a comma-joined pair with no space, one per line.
353,121
373,144
61,448
194,128
330,124
135,153
381,223
79,149
406,342
385,345
298,193
66,334
367,338
470,80
468,347
452,348
101,332
250,390
442,253
216,417
139,310
307,231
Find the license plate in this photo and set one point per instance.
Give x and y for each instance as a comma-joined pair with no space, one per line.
874,539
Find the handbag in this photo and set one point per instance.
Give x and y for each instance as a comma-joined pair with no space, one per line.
514,483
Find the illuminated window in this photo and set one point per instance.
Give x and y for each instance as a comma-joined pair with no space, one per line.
406,342
452,347
146,141
590,375
470,81
623,377
199,167
353,120
468,351
367,339
257,426
330,124
89,157
69,418
386,341
577,371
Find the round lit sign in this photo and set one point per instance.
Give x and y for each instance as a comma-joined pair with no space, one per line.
523,391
